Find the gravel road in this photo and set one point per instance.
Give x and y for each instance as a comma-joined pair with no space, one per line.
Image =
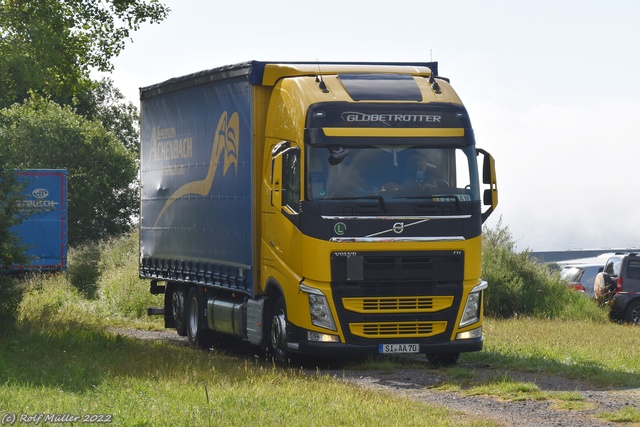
418,385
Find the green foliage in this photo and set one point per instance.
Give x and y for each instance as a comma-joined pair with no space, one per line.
59,358
142,383
47,49
11,251
83,269
122,292
625,415
51,300
105,103
101,172
101,285
522,286
49,46
10,296
603,353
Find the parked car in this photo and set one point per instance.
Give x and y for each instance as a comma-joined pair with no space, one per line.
619,286
582,276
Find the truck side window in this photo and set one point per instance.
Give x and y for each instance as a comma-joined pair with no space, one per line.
291,179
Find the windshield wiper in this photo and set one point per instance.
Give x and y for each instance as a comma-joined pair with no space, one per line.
380,199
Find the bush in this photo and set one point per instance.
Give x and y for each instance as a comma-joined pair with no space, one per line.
121,290
520,285
83,269
51,300
101,287
10,295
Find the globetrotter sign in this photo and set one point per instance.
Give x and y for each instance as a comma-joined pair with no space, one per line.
353,116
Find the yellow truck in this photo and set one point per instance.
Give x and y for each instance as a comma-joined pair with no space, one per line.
325,209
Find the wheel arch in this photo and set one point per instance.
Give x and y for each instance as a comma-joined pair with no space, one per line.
273,289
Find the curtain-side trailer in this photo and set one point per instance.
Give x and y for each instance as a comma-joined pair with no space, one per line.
43,229
316,208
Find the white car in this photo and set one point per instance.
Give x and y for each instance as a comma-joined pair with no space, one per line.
582,276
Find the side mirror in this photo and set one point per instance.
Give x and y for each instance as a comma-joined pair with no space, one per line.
490,195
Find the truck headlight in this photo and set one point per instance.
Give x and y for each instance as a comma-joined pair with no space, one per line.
471,313
319,307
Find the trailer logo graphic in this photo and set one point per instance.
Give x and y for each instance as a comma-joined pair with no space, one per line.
226,140
40,193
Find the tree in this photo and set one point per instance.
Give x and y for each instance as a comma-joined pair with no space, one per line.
105,103
49,46
11,250
101,172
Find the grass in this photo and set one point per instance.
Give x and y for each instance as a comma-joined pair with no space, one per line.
567,348
574,349
59,358
625,415
76,368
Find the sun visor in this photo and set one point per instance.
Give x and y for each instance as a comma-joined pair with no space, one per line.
381,87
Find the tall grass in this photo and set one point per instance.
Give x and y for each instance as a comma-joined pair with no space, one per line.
10,295
93,293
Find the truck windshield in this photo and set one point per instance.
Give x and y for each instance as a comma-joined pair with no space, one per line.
398,171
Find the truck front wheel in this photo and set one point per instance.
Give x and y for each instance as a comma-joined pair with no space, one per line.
278,335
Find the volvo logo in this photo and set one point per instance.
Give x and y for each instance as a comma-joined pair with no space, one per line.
398,227
345,254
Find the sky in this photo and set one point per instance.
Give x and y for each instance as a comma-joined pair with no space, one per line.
551,87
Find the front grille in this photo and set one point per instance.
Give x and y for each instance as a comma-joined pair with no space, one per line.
417,304
398,329
383,295
431,266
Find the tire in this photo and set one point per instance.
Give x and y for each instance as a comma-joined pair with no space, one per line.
198,335
603,286
443,359
178,310
278,333
632,313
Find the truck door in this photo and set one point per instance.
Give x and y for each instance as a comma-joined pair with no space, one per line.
281,228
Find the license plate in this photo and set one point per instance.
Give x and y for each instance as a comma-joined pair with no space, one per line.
399,348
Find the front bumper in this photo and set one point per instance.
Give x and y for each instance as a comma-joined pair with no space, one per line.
304,346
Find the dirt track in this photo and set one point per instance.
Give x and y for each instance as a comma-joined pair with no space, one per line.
418,385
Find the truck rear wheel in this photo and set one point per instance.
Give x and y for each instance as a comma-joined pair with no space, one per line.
178,311
278,332
198,336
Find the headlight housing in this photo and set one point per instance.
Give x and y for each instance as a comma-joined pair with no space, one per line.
471,313
319,308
